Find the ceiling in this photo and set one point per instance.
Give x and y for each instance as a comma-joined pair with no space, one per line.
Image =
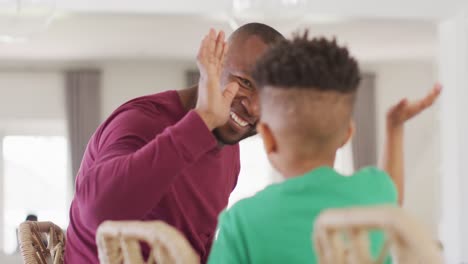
426,9
90,30
107,37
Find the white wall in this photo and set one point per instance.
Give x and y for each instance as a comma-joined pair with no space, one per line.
453,65
31,95
395,81
122,81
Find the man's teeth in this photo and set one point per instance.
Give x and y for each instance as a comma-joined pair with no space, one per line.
238,120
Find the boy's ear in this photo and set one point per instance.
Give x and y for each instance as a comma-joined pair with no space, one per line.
269,142
350,133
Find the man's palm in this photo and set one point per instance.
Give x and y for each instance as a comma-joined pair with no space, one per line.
213,102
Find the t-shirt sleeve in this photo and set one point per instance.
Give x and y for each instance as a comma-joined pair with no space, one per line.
229,245
383,186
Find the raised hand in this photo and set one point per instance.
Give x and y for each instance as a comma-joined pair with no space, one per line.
393,158
213,104
405,110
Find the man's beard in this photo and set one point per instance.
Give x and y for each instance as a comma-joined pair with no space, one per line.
224,141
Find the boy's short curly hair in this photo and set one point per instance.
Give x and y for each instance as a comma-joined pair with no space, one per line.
304,63
307,89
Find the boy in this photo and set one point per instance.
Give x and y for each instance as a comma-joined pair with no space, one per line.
307,92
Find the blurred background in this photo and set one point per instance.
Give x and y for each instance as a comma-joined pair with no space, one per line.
65,65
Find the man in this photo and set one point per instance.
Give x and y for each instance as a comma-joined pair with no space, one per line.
172,156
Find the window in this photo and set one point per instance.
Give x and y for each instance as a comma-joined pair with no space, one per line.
35,182
344,163
256,171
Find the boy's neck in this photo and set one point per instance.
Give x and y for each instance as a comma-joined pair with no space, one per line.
299,168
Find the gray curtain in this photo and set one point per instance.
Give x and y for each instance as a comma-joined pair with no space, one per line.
191,77
83,111
364,142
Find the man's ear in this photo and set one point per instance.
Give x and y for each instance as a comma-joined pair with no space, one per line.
269,142
350,133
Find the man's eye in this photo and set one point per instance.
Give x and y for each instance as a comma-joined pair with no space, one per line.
246,83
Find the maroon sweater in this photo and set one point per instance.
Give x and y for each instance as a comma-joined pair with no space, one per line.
151,160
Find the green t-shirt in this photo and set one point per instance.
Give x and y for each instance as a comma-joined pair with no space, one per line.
275,225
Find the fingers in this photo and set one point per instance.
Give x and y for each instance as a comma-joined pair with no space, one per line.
421,105
212,49
437,88
230,92
398,108
404,110
402,104
219,45
430,98
223,57
211,44
207,48
202,50
225,50
433,95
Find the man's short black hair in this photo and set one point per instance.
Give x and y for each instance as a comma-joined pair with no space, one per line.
267,34
303,63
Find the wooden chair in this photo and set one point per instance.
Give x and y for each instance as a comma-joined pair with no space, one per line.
41,243
342,236
120,242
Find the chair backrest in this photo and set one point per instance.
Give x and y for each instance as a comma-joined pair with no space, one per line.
120,242
41,243
342,236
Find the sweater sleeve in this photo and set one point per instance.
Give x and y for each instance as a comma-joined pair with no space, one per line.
130,173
